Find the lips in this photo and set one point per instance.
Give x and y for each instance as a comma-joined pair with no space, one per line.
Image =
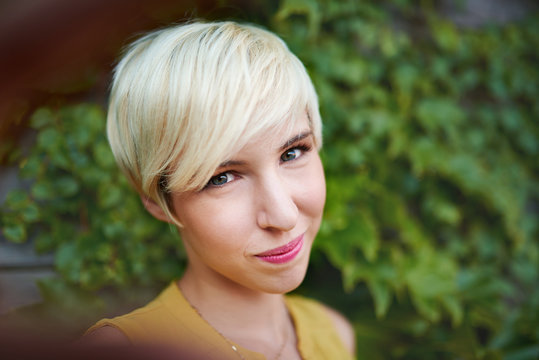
283,253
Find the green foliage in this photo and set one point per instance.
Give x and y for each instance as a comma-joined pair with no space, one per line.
80,206
431,141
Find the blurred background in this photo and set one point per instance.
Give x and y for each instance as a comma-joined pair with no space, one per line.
429,243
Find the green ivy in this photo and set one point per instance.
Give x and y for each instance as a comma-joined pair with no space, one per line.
430,150
80,206
431,143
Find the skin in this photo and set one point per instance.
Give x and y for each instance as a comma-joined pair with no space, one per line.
269,193
265,203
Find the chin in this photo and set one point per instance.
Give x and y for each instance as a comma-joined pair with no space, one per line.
285,283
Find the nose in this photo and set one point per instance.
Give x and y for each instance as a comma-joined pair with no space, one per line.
276,209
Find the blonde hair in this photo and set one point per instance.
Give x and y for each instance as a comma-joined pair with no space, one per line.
185,98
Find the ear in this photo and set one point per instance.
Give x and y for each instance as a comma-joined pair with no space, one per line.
154,209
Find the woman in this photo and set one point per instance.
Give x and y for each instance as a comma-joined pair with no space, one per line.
216,125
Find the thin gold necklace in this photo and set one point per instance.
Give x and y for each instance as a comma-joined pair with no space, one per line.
233,346
283,346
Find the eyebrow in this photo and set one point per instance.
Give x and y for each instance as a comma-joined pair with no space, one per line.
295,139
283,147
231,163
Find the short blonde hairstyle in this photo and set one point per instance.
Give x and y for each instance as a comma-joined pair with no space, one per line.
185,98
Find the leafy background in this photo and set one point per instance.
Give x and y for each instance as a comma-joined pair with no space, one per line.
429,241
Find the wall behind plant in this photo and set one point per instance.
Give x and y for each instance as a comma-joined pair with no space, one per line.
430,148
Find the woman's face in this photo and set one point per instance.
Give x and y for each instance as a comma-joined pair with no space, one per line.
253,225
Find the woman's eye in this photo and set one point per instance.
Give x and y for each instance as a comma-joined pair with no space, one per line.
291,154
221,179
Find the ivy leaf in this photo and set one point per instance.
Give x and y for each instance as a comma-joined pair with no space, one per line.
366,234
439,113
381,294
43,190
446,35
66,186
15,232
49,139
109,196
103,155
30,213
41,118
308,8
17,200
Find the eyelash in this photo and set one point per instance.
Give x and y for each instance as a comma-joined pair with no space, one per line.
304,148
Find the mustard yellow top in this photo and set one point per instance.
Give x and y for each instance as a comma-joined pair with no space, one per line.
170,319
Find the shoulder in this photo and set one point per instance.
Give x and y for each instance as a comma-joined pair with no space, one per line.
310,311
105,335
130,327
344,328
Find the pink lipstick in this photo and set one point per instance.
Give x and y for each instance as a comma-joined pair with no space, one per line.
283,254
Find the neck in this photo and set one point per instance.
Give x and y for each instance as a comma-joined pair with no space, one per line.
239,313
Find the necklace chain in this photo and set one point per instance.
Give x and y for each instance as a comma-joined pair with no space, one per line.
283,346
234,347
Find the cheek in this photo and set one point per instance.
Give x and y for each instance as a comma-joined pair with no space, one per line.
209,224
313,193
